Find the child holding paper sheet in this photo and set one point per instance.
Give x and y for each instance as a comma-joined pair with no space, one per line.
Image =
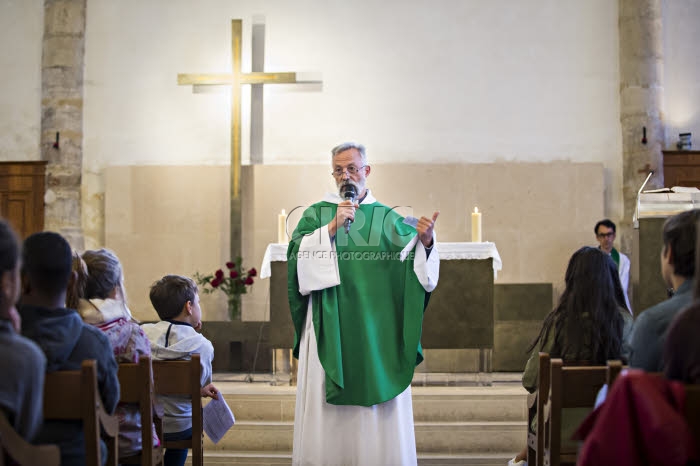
176,336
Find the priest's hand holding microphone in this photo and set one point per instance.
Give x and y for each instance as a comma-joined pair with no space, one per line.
345,214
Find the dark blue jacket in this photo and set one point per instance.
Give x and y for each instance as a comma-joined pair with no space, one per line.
67,341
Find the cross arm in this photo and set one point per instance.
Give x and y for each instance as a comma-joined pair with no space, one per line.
211,79
229,78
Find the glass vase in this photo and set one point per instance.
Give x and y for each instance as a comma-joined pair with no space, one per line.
234,307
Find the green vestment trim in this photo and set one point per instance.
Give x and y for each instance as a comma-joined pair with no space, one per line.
615,257
368,328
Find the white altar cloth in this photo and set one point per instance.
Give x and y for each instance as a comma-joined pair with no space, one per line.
277,252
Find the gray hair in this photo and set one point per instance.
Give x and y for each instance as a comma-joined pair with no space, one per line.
350,145
104,274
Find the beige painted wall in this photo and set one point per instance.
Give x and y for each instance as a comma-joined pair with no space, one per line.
170,219
21,33
163,220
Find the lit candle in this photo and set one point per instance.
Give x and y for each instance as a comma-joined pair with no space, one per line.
476,226
282,228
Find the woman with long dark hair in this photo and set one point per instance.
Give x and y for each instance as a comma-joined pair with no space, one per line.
589,325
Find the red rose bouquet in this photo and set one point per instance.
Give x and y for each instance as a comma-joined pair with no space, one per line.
233,282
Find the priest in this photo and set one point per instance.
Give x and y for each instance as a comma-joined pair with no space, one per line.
360,276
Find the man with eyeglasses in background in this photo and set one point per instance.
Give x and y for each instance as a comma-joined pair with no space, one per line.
368,272
605,234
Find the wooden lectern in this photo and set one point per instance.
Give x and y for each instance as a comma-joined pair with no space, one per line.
653,210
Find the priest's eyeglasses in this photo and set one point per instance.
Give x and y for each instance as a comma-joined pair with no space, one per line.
352,170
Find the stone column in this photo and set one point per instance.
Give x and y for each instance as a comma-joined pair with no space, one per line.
641,94
62,68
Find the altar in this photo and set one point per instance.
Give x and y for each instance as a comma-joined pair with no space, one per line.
460,314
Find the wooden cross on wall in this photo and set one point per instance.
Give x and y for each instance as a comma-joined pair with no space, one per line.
236,79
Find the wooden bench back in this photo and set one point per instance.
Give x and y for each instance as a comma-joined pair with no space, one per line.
570,387
536,408
136,386
23,453
692,411
614,369
74,396
182,377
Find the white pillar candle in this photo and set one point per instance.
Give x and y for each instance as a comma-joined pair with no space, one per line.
476,226
282,228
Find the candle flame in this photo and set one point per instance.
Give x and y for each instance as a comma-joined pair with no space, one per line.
283,213
476,210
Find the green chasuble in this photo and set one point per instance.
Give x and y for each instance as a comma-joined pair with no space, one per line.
367,328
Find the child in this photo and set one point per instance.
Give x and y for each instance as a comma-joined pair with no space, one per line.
103,305
23,363
99,285
64,338
76,284
176,300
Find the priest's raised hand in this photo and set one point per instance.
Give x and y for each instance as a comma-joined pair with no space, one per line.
425,229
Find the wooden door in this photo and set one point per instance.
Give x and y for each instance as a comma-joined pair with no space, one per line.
22,195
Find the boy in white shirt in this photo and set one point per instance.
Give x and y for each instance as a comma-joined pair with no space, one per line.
176,336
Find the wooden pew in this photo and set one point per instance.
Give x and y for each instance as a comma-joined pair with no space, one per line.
570,387
73,395
536,406
182,377
613,371
692,411
136,386
18,451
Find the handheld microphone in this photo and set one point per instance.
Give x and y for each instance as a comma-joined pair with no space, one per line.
349,192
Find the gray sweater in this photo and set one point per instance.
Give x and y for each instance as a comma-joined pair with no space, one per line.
22,369
650,328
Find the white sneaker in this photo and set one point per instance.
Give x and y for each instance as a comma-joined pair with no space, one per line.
519,463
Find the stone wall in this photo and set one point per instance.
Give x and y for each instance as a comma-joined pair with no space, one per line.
62,115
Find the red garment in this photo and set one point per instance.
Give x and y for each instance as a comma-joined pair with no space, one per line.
640,423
